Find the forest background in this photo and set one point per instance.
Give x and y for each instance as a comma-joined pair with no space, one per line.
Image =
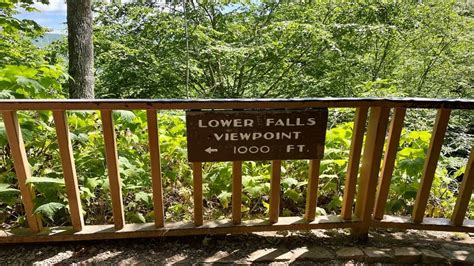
264,49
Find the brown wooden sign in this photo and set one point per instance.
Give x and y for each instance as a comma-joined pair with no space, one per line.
256,135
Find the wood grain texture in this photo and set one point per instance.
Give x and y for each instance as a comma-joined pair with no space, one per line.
197,184
369,171
430,165
236,192
69,169
393,141
465,192
22,168
354,161
312,190
111,157
203,148
169,104
154,145
275,187
102,232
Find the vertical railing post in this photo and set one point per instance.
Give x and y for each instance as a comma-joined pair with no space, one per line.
69,169
197,184
275,187
312,190
393,141
465,192
154,145
22,168
369,171
430,165
236,192
354,161
111,157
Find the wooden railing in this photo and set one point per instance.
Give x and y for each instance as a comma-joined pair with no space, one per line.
371,179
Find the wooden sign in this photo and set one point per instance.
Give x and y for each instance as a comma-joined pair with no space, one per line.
256,135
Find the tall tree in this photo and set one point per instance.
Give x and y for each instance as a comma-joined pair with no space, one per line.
81,49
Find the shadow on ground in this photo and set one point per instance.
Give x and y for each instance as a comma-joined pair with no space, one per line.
284,247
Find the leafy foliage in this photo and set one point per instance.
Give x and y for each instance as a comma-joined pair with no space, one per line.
275,49
258,49
134,162
25,71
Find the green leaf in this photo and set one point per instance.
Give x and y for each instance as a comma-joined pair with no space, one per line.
6,94
136,217
424,136
224,197
50,209
409,194
92,183
289,181
3,136
320,211
266,206
124,115
395,206
6,189
293,195
8,195
144,197
459,172
43,180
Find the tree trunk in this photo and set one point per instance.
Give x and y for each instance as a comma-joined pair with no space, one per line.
81,49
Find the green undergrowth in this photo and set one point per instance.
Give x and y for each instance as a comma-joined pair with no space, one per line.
132,141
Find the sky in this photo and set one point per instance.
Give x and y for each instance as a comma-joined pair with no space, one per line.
52,16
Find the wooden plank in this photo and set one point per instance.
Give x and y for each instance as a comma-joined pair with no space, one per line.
433,224
154,144
274,209
69,169
197,183
102,232
205,145
170,104
312,193
431,162
395,131
236,192
465,192
22,168
111,157
369,171
354,161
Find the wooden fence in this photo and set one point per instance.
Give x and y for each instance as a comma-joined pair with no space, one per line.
364,171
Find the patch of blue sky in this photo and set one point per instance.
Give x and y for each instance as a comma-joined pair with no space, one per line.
51,16
54,21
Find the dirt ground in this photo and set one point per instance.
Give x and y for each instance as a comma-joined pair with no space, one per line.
227,249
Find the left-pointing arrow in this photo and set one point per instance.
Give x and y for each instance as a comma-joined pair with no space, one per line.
210,150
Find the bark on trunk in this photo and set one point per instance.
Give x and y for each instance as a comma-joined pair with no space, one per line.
81,49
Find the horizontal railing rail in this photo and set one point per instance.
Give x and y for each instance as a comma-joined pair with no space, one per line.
169,104
367,181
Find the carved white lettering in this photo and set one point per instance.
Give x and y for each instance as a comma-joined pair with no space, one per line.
226,123
213,123
248,123
218,136
240,136
251,149
311,121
